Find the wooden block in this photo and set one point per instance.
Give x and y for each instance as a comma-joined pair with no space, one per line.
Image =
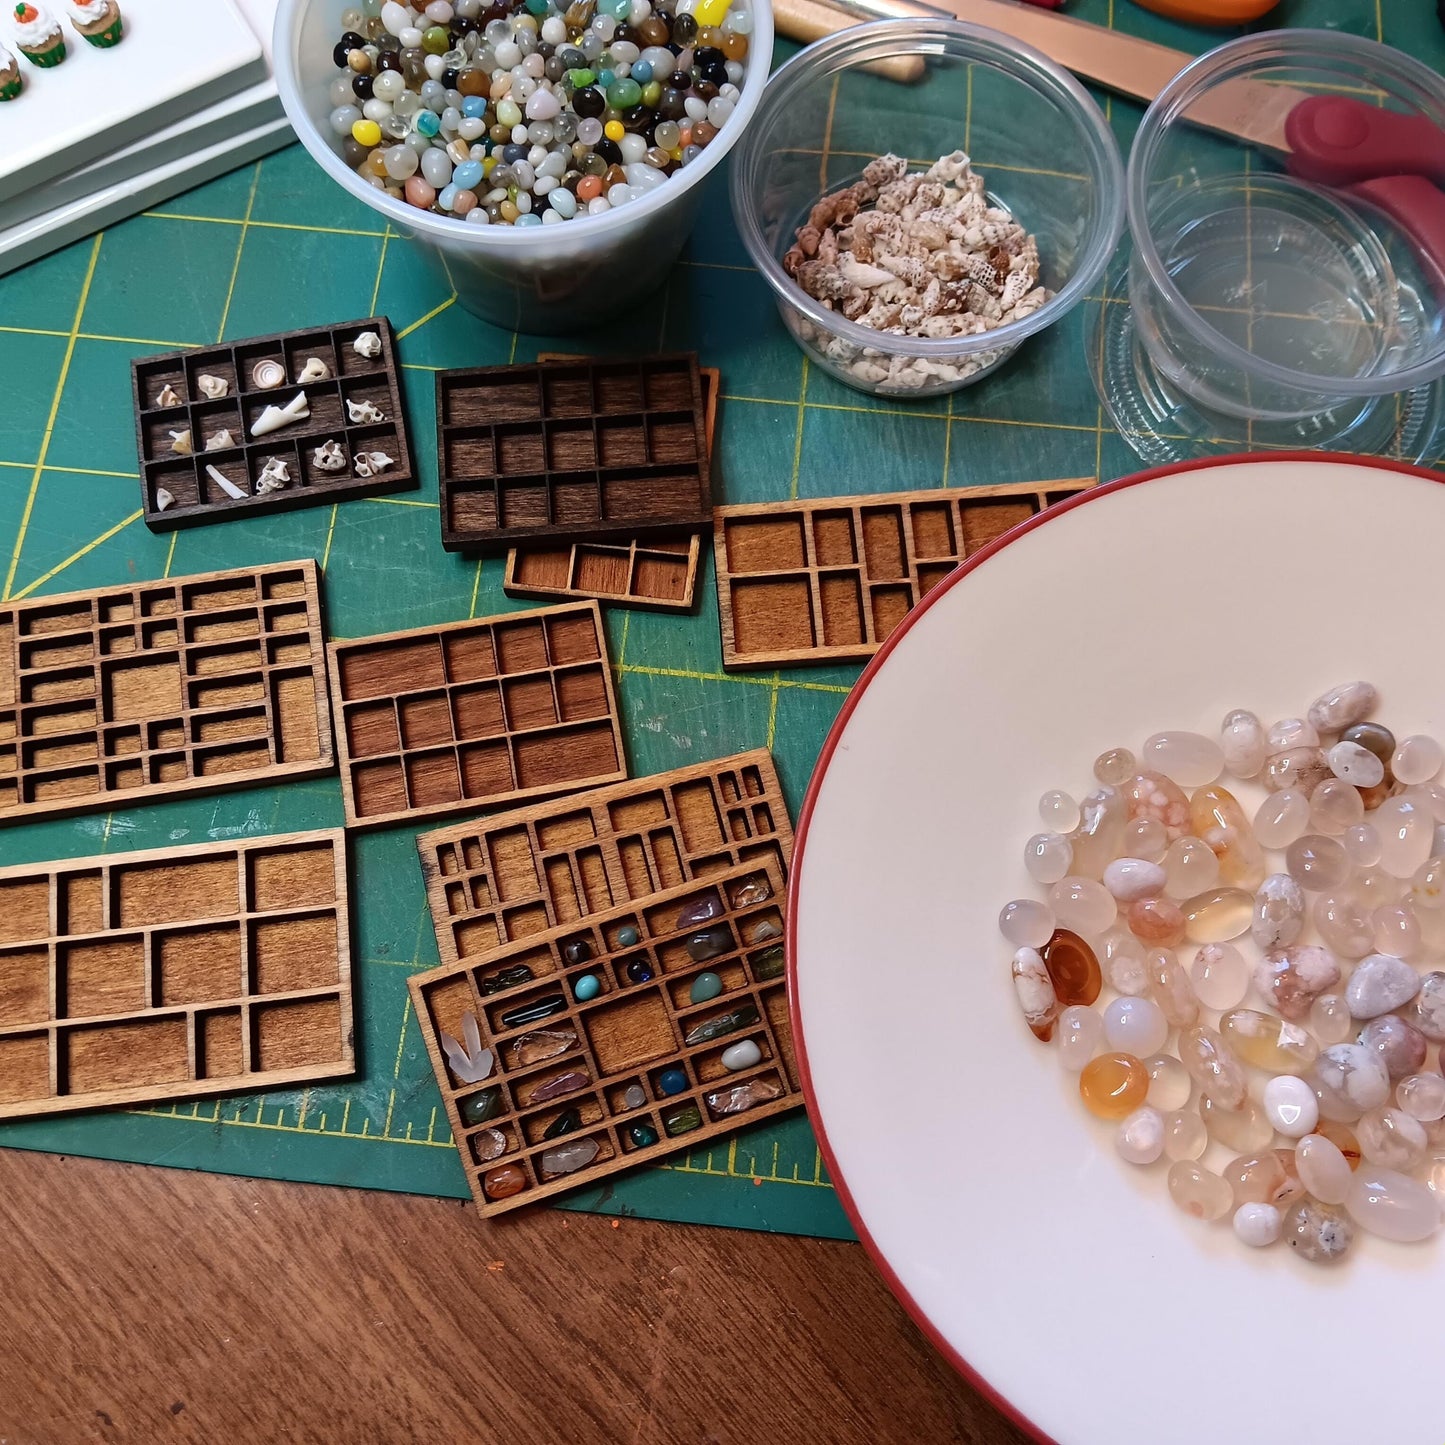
493,880
639,1055
190,684
134,977
474,714
576,450
352,381
827,579
660,575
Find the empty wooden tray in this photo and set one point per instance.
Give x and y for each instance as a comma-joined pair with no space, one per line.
826,580
184,685
660,574
571,451
134,977
353,381
497,879
581,1084
470,714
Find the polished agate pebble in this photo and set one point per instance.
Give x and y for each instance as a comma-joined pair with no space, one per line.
1254,988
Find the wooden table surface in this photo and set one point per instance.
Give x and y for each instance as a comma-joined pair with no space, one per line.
145,1305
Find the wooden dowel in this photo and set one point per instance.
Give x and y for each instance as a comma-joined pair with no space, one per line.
810,20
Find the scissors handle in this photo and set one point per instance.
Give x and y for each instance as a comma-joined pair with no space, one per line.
1335,140
1418,208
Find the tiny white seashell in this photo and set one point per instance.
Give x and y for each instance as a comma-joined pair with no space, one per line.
213,387
219,440
268,375
275,417
181,442
164,499
225,483
364,411
274,476
169,396
314,370
372,464
368,344
329,456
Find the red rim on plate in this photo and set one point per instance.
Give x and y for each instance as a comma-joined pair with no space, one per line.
815,784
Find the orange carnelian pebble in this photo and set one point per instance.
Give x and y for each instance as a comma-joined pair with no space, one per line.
1073,968
503,1181
589,188
1113,1085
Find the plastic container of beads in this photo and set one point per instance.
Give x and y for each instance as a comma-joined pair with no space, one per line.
540,279
1040,143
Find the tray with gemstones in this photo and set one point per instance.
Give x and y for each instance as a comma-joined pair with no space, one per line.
270,424
614,1039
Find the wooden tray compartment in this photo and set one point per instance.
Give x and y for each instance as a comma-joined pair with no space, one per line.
827,580
495,880
353,378
571,450
189,684
480,713
625,1038
136,977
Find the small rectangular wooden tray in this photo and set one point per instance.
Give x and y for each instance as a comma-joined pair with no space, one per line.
474,714
634,1073
185,685
353,380
493,880
827,580
135,977
660,574
572,450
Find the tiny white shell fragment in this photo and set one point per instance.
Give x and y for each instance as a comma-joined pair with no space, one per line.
181,442
329,457
220,440
268,375
164,499
364,411
368,344
314,370
169,396
274,476
225,483
213,388
275,417
372,464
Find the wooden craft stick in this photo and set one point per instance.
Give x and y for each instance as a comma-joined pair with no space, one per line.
810,20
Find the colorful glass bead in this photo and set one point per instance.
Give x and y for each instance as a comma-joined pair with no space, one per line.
637,970
579,950
1073,967
628,936
1113,1085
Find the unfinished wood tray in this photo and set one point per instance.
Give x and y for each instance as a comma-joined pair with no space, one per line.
354,379
571,451
491,711
632,1074
135,977
190,684
660,574
826,580
494,880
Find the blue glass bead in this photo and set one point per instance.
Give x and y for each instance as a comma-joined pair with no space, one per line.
644,1136
529,219
446,196
639,971
672,1081
628,935
468,175
589,985
606,78
641,72
427,123
474,106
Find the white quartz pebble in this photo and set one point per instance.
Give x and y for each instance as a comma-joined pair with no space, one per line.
1422,1096
1290,1105
1257,1224
1124,962
1191,759
1416,760
1135,1026
1354,1075
1026,923
1080,1034
1392,1138
1293,732
1279,912
1047,857
1059,811
1219,976
1082,905
1356,765
1392,1205
1343,706
1282,818
741,1056
1131,878
1170,1087
1323,1169
1379,985
1407,832
1243,743
1140,1139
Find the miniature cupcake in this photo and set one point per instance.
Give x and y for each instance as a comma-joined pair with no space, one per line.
98,21
10,81
39,35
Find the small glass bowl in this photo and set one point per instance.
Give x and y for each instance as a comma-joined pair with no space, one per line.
1042,146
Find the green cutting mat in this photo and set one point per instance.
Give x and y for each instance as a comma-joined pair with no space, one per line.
274,246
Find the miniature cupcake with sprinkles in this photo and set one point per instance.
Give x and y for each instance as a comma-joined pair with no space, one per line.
10,80
38,33
98,21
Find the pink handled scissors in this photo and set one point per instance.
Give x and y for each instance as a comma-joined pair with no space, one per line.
1394,162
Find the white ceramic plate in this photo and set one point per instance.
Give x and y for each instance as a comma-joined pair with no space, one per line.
1061,1279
